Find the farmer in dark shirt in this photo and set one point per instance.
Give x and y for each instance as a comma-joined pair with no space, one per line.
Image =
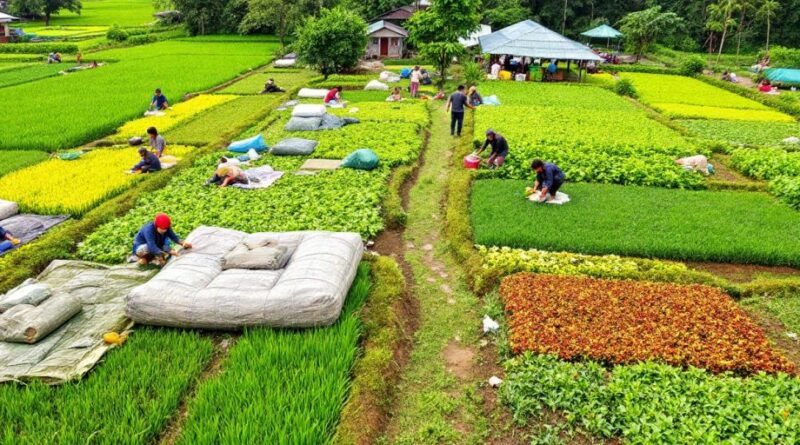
549,179
455,105
499,149
149,163
159,101
152,243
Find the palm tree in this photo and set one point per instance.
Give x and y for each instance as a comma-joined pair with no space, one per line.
721,18
767,11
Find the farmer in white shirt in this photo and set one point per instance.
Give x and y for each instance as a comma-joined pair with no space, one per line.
416,78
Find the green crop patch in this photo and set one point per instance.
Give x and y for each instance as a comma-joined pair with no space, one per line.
108,12
281,385
414,112
15,160
126,400
744,133
589,99
29,74
766,163
724,226
294,202
254,83
224,121
658,88
103,103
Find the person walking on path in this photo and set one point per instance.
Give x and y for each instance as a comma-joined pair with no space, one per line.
549,179
455,106
152,242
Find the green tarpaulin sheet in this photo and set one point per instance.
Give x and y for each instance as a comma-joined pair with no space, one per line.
783,75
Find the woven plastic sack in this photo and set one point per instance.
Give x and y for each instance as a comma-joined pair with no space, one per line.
70,156
285,63
254,143
405,73
312,93
309,110
303,124
375,85
294,147
331,122
8,209
136,140
362,159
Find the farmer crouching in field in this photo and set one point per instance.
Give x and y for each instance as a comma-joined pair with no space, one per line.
157,142
149,163
270,87
152,243
499,149
159,101
549,179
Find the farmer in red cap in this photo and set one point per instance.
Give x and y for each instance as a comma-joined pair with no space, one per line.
152,243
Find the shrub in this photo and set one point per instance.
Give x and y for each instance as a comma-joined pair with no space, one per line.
332,42
472,72
117,34
692,65
629,322
624,87
783,57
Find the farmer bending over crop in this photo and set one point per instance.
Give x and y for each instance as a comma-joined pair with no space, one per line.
149,163
231,174
499,149
152,243
7,241
549,179
270,87
334,96
157,142
159,101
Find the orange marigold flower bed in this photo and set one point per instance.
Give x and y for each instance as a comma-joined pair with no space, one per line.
627,321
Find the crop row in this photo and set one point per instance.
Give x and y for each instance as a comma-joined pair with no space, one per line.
659,88
73,187
28,74
254,83
339,200
652,403
177,114
118,92
685,111
745,133
629,322
766,163
640,221
587,99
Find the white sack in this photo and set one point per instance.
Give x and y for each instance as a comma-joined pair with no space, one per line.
375,85
311,93
309,110
8,209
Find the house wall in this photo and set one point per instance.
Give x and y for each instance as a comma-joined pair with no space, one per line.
395,44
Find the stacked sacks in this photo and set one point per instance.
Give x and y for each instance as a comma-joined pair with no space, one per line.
306,117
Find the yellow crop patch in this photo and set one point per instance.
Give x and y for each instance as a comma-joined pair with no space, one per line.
701,112
179,113
56,186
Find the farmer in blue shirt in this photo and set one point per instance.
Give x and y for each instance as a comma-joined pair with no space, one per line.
551,70
159,101
152,243
7,241
549,179
149,163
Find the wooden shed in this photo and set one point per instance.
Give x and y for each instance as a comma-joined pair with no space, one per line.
385,40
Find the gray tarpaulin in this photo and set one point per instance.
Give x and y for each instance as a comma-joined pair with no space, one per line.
74,348
29,227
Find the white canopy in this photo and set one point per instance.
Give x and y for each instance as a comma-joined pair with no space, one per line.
530,39
472,40
5,18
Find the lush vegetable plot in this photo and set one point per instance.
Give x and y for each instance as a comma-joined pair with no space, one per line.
178,114
226,120
727,226
628,322
593,134
254,84
397,143
339,200
505,261
354,81
787,188
684,111
746,133
29,73
126,400
281,386
766,163
120,91
660,88
14,160
414,112
56,186
652,403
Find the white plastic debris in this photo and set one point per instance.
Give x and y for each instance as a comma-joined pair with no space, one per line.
792,335
495,381
253,155
792,140
489,325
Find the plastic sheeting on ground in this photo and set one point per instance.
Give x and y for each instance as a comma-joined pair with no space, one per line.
260,178
74,348
193,291
321,164
27,227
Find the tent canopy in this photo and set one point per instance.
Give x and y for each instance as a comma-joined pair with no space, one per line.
602,32
472,40
5,18
530,39
783,75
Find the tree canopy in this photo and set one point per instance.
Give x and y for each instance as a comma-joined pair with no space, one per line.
333,42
